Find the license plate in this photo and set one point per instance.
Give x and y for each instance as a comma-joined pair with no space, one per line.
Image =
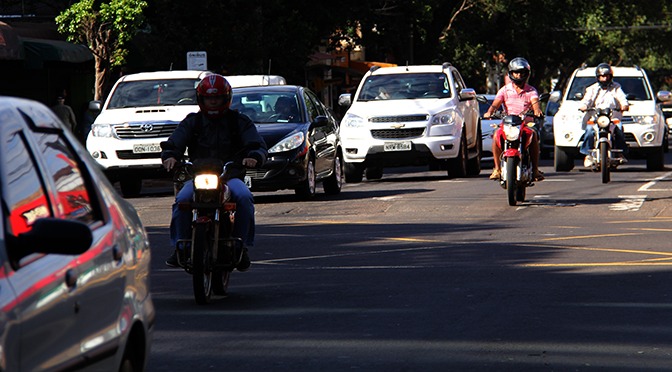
397,146
248,181
143,149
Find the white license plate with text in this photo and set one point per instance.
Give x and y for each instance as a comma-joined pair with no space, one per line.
146,148
397,146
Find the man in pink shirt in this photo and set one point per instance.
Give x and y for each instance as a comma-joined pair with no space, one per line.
518,97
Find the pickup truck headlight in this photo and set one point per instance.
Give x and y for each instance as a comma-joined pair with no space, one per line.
102,130
352,121
444,123
288,143
645,119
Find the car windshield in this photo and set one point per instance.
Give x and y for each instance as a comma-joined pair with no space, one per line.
163,92
268,107
634,88
405,86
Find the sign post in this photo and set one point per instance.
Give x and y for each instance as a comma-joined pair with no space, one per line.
197,60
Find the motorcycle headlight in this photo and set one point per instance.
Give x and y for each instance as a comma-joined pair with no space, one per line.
102,130
206,182
289,143
603,121
511,132
352,121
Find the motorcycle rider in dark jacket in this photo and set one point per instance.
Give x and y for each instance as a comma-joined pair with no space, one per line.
220,133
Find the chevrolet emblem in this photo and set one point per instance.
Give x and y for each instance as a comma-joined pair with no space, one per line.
398,126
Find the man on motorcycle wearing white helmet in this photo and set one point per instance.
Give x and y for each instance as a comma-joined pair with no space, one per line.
518,97
605,93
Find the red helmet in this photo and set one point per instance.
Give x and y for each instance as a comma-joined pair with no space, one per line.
214,86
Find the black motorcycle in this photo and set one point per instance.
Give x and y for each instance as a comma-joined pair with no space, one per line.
604,154
212,253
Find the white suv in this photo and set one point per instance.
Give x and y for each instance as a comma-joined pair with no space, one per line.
643,124
411,115
141,111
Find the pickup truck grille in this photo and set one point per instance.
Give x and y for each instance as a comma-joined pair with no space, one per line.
397,133
398,119
145,130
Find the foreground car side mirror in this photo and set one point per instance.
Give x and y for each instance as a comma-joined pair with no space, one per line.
664,96
467,94
95,106
345,99
51,236
320,121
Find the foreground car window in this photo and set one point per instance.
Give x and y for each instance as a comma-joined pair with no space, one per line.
74,201
23,191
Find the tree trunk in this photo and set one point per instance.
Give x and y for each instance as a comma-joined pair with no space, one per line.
102,75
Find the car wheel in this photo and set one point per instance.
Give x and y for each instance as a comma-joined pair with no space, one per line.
374,173
562,160
306,190
457,167
655,160
130,187
474,163
332,185
354,172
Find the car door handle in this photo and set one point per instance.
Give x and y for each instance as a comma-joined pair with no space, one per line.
71,278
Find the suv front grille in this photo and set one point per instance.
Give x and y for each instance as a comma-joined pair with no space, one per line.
397,133
398,119
129,155
145,130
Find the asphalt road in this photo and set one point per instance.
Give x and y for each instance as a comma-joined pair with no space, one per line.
418,272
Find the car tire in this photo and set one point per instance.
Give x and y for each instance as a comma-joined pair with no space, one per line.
353,172
562,160
130,187
457,167
474,163
332,185
306,189
655,160
374,173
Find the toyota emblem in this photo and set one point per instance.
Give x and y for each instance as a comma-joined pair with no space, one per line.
146,127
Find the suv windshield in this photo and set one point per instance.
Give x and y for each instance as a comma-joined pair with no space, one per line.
405,86
164,92
634,87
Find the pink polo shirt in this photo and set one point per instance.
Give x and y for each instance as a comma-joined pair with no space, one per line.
516,103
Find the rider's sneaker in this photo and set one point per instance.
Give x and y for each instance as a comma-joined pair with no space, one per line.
622,159
172,260
245,262
588,162
539,175
496,174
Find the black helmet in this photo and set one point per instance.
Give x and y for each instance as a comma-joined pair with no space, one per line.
521,65
603,69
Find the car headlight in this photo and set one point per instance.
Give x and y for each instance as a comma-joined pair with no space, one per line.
102,130
352,121
444,123
644,119
289,143
448,117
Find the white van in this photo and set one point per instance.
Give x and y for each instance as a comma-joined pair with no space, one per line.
643,124
141,111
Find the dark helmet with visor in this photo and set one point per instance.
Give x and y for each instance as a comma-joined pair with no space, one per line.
521,66
603,69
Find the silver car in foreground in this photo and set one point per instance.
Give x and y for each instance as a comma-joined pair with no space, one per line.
74,257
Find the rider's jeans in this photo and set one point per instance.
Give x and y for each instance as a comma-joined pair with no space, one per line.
589,140
180,224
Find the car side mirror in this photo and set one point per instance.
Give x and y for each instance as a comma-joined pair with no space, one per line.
555,96
345,99
95,106
664,96
52,236
320,121
467,94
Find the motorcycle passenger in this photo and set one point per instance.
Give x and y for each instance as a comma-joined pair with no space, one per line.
517,97
215,132
605,93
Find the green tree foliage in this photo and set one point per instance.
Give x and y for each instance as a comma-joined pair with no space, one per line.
106,28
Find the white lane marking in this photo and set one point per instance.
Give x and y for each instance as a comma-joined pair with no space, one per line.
649,185
629,203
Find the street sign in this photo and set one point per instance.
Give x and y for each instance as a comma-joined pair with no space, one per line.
197,61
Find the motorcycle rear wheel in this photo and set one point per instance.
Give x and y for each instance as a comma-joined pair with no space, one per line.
605,162
202,275
511,184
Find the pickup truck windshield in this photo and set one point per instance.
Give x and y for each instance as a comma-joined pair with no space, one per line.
154,93
635,88
405,86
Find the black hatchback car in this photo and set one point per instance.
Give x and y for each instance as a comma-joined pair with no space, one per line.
302,138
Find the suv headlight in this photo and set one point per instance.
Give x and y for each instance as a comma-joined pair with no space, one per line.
645,119
352,121
102,130
288,143
444,123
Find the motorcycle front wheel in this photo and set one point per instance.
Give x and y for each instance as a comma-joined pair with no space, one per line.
511,184
202,275
605,164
